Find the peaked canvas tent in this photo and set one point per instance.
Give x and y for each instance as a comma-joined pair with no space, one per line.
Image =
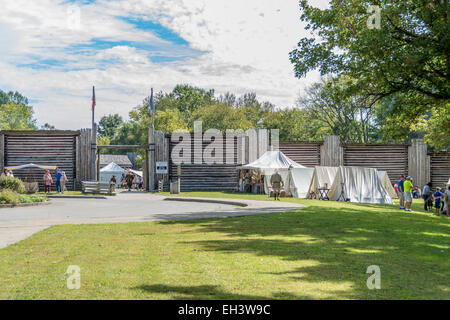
110,170
360,185
299,181
322,177
386,182
271,161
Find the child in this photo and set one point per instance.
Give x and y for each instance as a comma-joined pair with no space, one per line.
437,196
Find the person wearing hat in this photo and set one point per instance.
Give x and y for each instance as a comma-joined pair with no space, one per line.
401,194
437,197
408,187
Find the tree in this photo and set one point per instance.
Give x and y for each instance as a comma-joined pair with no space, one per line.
47,126
222,116
409,54
295,124
16,117
346,111
14,97
108,125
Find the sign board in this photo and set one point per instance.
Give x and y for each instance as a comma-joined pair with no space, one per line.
162,167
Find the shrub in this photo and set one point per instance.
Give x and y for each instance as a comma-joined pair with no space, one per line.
8,196
12,184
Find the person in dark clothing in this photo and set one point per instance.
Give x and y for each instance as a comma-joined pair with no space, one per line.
129,179
427,196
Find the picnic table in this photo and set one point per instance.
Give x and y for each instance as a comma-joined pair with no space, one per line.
323,193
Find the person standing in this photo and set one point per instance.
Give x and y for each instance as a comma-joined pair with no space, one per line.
129,179
427,197
401,195
58,180
47,181
437,197
4,173
408,189
63,181
447,202
277,182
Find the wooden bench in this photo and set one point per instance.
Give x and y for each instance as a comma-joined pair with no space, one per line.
97,187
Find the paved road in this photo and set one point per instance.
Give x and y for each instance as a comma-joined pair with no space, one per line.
19,223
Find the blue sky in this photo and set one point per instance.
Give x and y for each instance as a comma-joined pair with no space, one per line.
53,52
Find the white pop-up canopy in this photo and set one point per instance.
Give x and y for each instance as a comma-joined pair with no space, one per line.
386,182
271,161
360,185
111,170
299,181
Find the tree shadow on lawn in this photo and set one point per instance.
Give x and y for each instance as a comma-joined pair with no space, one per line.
412,250
208,292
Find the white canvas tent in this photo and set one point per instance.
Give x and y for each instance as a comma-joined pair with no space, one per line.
448,183
110,170
322,177
386,182
271,161
360,185
299,181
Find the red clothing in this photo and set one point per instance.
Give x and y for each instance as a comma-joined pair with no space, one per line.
48,179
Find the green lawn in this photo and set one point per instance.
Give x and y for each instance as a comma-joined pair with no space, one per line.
321,252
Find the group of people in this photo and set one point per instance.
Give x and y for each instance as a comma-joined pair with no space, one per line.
61,181
128,180
7,173
406,192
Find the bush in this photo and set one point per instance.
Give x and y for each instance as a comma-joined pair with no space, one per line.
8,196
12,184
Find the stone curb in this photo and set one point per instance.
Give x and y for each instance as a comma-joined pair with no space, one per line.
76,197
33,204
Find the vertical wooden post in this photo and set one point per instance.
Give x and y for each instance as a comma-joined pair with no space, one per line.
93,153
151,161
2,151
98,165
146,172
418,162
331,152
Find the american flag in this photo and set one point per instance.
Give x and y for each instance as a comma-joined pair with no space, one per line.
93,98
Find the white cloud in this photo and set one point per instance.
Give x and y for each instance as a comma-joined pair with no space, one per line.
246,46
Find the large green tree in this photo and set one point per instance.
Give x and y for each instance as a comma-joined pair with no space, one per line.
408,54
15,113
109,124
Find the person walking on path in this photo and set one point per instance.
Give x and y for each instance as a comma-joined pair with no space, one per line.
63,181
58,180
401,195
427,197
129,179
47,181
408,189
437,197
277,182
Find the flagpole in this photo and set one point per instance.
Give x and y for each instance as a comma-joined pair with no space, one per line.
93,107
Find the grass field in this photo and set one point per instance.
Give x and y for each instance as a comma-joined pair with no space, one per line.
321,252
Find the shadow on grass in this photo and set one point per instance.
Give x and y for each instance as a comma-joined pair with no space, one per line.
412,250
206,292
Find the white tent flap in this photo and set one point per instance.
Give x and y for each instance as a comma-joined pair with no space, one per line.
323,177
272,160
360,185
386,182
299,181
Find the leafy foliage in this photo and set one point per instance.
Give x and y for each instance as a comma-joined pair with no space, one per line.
12,183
